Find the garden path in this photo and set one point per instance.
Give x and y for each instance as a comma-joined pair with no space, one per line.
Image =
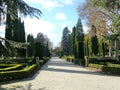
58,74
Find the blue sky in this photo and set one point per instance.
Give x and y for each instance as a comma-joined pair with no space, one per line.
57,14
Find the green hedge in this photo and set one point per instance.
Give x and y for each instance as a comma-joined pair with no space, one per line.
112,69
18,74
96,66
45,59
12,67
41,62
102,60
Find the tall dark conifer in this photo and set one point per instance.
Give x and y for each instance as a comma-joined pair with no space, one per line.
94,40
73,39
79,40
30,47
65,43
8,29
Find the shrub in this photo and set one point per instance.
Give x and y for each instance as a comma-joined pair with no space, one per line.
111,69
17,74
103,60
41,62
96,66
12,67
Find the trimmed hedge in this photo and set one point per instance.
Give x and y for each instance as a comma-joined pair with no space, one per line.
112,69
12,67
41,62
18,74
102,61
96,66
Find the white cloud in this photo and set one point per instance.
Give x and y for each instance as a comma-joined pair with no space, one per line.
50,4
67,2
47,4
35,26
60,16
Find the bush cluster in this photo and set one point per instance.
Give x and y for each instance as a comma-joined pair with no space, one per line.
17,74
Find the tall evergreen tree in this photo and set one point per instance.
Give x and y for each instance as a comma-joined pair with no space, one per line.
30,47
22,39
94,40
39,46
8,29
73,34
65,43
79,40
12,7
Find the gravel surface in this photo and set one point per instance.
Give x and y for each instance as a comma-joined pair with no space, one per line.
58,74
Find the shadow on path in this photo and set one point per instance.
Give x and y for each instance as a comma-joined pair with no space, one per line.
67,67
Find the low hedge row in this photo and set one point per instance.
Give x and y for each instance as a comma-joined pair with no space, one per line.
17,74
12,67
96,66
6,65
112,69
102,60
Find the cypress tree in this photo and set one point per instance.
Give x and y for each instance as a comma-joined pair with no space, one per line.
79,40
22,38
8,29
65,43
94,41
73,40
30,47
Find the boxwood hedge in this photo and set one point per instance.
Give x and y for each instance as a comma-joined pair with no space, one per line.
112,69
17,74
11,67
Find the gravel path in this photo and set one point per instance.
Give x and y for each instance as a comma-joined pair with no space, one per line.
58,74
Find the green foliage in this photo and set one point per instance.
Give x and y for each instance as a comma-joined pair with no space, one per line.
79,41
17,74
112,69
30,47
12,22
11,67
23,8
7,48
8,30
94,41
41,62
96,66
116,23
66,43
73,39
38,50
